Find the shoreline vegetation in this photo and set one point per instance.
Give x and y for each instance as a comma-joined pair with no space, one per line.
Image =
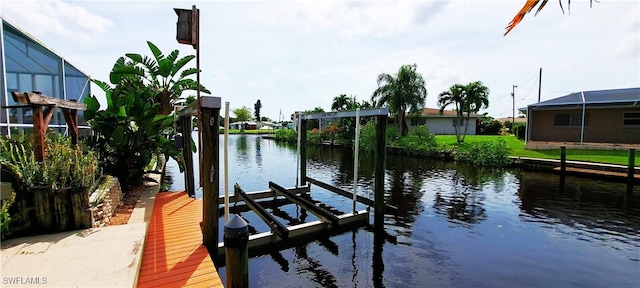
482,150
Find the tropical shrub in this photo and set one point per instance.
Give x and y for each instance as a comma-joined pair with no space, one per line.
368,137
419,141
286,135
129,131
489,127
393,135
520,131
488,153
65,166
5,217
314,137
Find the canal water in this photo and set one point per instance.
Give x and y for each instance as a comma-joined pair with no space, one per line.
457,225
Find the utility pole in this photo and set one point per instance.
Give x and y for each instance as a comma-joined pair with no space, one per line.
540,85
513,116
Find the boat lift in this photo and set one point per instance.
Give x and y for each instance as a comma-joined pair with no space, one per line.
328,218
207,108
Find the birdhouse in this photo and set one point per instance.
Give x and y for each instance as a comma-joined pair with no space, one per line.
187,26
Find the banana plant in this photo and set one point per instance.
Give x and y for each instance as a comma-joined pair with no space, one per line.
163,73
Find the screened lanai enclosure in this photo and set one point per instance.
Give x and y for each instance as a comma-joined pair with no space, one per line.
29,65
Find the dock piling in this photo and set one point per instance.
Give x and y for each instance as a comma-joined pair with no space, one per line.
236,238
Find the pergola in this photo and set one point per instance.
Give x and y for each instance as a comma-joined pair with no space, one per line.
43,108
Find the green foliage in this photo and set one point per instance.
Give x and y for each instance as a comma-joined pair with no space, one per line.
242,114
467,99
286,135
164,73
257,107
489,126
368,137
314,137
519,131
393,135
402,92
64,165
488,153
129,131
5,217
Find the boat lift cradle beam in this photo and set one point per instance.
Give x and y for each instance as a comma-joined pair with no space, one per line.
276,226
325,215
348,194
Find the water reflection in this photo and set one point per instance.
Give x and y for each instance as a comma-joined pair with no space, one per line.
258,142
463,202
457,226
594,210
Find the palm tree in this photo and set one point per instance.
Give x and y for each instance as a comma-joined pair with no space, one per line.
163,73
344,103
404,91
528,7
477,97
453,96
467,99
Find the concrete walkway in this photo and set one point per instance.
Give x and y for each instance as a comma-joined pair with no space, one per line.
96,257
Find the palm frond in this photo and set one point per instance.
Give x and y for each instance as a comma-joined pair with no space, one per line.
528,7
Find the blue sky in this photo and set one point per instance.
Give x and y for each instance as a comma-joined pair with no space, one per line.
296,55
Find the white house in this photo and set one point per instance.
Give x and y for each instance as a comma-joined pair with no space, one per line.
441,123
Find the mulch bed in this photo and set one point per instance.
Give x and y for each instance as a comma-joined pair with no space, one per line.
126,206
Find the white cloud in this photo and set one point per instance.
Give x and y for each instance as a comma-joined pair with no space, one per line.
56,17
297,55
354,19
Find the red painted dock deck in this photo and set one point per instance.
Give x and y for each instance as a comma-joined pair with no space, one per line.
173,254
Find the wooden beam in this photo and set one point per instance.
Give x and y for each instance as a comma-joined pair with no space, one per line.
209,127
39,130
187,155
39,99
347,194
71,117
280,229
325,215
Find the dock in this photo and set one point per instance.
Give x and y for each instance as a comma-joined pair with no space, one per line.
279,233
173,254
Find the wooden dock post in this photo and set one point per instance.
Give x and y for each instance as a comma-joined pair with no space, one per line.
381,123
563,160
303,151
187,155
210,129
631,170
236,238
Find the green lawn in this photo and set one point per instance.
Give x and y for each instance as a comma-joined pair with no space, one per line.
516,148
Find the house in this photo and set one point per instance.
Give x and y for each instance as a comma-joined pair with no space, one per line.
246,125
602,116
29,65
441,123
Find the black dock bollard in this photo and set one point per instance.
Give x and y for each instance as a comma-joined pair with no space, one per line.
236,237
